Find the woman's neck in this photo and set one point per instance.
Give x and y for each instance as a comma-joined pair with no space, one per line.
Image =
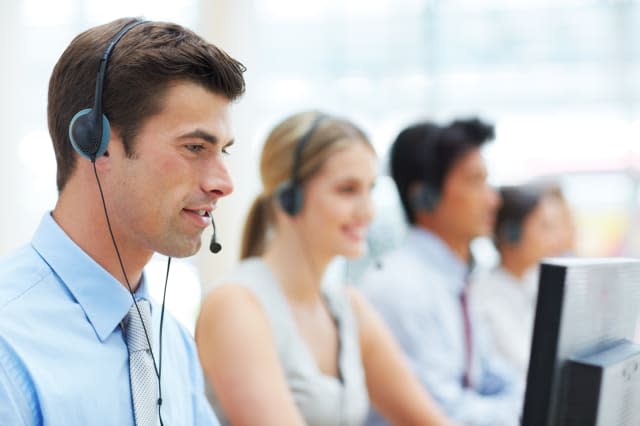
515,264
298,269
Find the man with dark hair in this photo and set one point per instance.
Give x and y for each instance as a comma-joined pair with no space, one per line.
421,288
139,117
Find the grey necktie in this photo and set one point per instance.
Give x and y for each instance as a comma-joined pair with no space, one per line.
144,382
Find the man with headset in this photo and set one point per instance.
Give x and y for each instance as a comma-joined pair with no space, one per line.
420,288
139,117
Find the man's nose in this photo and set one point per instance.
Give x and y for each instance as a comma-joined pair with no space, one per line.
218,180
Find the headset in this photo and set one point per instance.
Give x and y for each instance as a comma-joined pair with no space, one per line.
214,245
517,206
511,231
291,197
89,129
425,197
89,134
291,193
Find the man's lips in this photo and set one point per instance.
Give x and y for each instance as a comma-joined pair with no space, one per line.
199,212
202,217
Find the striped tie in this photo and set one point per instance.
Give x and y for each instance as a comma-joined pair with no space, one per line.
144,384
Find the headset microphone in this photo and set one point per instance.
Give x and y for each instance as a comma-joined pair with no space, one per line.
214,246
377,263
373,250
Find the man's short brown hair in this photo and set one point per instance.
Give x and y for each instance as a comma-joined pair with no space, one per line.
143,64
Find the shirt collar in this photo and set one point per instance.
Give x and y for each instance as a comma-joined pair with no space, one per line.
527,285
103,299
440,257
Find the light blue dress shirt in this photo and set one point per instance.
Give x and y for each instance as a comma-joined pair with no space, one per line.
63,357
417,291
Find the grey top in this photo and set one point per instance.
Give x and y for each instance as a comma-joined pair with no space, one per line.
322,400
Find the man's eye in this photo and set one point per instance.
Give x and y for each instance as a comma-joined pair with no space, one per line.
347,189
195,147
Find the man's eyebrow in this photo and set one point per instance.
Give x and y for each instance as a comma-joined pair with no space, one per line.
200,134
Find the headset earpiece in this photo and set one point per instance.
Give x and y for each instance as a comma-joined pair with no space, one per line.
425,197
88,139
511,232
89,129
429,197
291,198
291,194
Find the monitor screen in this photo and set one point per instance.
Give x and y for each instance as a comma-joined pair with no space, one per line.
585,306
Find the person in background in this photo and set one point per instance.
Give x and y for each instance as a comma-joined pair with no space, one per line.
421,288
278,347
566,224
138,113
530,225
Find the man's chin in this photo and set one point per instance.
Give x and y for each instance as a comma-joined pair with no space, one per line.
181,250
481,234
486,230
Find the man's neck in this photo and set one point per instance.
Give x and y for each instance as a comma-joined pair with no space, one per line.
86,225
458,245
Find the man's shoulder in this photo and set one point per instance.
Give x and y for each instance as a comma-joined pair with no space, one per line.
20,272
402,280
400,265
175,331
180,331
182,354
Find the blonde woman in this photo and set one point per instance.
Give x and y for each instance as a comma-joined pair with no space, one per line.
277,347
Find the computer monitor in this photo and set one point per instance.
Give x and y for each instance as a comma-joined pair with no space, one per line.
582,352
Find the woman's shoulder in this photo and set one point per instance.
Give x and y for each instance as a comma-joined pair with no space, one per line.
247,271
229,298
253,286
251,273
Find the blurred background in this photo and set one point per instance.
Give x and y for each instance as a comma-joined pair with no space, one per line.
559,79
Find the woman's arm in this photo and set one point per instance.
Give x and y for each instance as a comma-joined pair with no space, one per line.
239,357
393,389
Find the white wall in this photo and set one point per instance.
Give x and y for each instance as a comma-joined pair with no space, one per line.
560,88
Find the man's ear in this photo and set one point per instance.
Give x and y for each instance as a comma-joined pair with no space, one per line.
103,163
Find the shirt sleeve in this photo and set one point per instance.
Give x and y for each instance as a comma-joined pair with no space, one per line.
499,375
18,400
202,412
424,341
508,338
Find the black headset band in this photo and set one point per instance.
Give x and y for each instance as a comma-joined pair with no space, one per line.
302,142
102,70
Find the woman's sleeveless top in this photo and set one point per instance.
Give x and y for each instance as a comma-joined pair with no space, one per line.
322,400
